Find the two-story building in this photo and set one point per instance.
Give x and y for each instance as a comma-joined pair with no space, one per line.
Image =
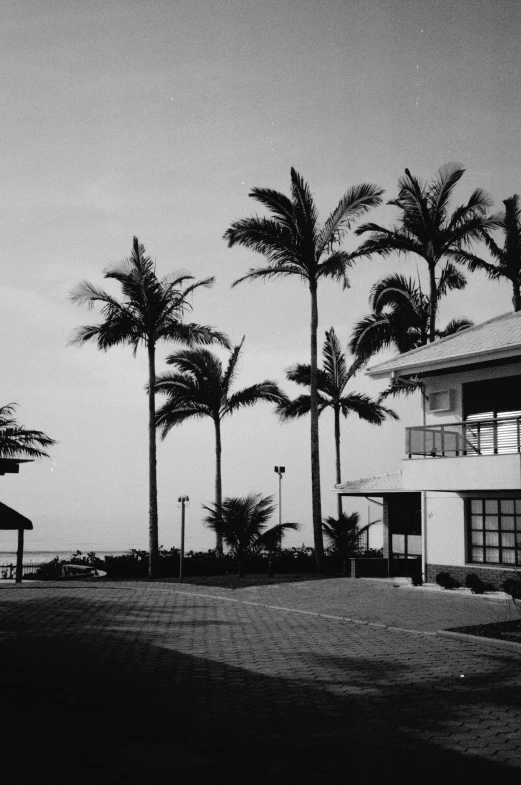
457,498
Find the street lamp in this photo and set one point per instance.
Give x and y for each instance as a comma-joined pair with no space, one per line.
280,471
183,501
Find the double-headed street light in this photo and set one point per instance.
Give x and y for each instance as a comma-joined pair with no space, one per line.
280,471
183,501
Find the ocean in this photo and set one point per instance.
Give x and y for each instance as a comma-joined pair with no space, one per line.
39,557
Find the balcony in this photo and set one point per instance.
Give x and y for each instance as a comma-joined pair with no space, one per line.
494,445
495,436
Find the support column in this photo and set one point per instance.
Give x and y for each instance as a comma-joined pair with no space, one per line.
20,556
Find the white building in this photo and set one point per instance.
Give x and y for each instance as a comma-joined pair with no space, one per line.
456,499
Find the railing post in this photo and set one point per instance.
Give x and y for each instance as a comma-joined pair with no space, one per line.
494,434
443,441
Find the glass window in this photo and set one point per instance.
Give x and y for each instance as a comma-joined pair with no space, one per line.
495,531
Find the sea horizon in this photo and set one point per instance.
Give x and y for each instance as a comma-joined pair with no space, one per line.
35,555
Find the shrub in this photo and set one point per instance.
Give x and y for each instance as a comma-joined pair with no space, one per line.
512,586
446,580
474,583
50,571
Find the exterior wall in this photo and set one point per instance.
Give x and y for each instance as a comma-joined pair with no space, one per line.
492,576
455,382
446,543
464,473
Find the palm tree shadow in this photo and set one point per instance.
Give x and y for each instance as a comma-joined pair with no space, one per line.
93,701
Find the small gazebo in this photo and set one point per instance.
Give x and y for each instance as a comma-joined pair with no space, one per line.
11,519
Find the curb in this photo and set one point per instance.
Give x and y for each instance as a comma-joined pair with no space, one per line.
511,646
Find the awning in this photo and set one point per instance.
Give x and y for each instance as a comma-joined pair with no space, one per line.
10,519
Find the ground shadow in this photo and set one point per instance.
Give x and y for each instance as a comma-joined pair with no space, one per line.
92,700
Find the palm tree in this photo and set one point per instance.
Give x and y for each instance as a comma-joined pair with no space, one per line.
342,535
241,523
200,387
17,441
294,244
507,259
427,229
332,381
151,310
401,314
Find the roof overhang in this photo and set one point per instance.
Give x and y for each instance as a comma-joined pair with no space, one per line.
11,519
402,366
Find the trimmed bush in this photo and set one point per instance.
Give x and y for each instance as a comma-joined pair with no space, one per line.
512,586
446,580
474,583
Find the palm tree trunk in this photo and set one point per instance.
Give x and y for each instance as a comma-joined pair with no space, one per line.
516,299
315,454
337,450
433,303
218,480
153,537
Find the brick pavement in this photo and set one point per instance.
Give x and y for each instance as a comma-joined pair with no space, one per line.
132,682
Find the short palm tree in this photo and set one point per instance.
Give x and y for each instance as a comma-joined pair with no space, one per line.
332,380
241,523
295,244
201,387
401,315
342,535
19,442
151,310
428,229
507,259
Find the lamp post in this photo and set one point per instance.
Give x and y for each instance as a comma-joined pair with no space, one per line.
183,501
280,471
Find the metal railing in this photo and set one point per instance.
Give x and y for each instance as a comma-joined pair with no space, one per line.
8,571
494,436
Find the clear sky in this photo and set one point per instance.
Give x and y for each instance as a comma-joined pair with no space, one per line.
155,119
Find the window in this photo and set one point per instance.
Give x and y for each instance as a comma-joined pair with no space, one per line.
494,531
494,405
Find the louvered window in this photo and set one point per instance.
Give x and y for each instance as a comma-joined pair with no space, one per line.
495,406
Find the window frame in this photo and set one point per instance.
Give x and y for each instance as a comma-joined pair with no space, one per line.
494,518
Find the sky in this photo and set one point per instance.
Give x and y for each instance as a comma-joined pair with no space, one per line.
156,119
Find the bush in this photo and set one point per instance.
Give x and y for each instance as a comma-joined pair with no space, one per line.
512,586
446,580
474,583
50,571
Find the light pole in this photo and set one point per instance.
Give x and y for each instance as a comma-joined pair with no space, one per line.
280,471
183,501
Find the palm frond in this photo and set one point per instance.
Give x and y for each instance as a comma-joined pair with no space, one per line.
357,201
267,390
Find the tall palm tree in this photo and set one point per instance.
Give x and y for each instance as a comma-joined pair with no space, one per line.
332,380
295,244
17,441
241,523
151,310
401,315
427,228
507,259
201,387
342,535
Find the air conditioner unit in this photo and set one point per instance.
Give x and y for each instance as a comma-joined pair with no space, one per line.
441,401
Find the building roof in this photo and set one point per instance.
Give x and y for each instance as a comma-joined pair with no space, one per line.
495,339
10,519
372,486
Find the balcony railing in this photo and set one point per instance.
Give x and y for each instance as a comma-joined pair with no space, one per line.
496,436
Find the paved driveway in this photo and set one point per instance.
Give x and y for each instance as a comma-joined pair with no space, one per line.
133,683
